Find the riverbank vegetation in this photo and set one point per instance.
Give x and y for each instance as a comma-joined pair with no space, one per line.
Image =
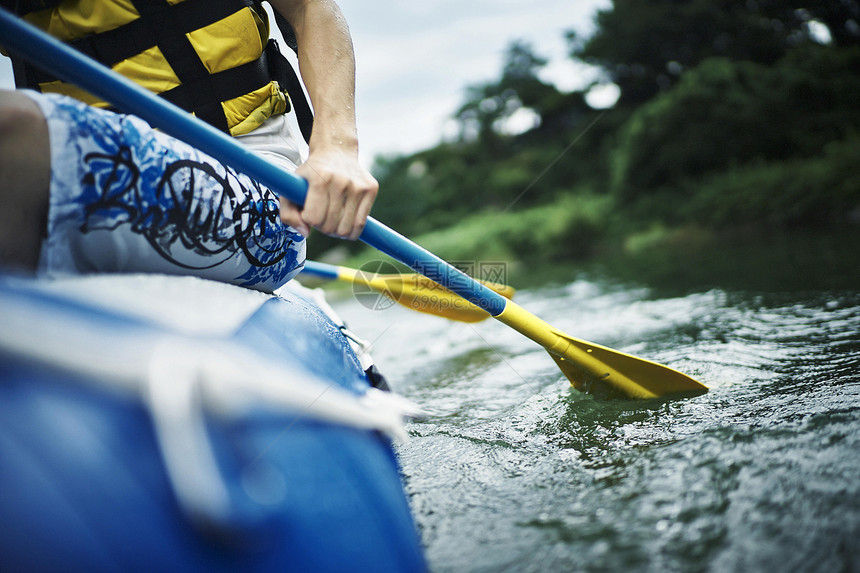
732,118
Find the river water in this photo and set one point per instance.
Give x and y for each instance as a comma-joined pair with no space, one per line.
512,470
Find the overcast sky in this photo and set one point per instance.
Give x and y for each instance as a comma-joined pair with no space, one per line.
415,58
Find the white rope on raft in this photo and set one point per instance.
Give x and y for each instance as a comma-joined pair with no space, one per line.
182,379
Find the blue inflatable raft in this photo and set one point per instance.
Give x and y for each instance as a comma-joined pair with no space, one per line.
152,423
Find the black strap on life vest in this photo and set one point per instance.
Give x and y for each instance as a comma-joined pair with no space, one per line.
222,86
164,25
304,113
161,23
25,74
113,46
23,7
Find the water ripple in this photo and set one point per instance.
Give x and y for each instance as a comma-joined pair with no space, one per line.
513,471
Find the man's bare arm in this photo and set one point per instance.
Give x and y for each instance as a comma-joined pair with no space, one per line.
341,192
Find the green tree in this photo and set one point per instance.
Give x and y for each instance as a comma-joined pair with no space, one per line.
841,17
718,96
724,114
645,45
488,104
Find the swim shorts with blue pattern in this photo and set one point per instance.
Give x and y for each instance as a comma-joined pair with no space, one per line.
127,198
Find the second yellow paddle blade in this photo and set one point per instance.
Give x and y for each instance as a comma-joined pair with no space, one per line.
424,295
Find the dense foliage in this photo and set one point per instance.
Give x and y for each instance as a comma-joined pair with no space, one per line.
731,115
725,113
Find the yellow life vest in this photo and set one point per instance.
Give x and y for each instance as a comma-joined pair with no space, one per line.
210,57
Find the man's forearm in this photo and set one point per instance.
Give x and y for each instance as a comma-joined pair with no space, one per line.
341,191
327,65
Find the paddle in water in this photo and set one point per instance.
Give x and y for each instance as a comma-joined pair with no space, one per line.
587,366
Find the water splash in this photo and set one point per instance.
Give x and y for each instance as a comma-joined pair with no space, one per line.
513,471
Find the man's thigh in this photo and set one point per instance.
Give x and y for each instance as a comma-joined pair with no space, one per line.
24,179
127,198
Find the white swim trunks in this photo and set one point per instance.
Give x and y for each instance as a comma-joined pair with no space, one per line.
128,198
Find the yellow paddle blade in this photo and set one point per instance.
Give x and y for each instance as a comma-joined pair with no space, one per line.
419,283
424,295
594,368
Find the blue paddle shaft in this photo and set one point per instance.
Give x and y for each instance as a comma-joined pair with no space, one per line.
320,270
44,51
